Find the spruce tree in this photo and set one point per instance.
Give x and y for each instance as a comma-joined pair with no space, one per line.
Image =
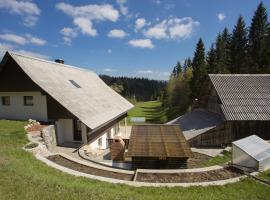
178,69
211,60
239,48
258,41
199,69
223,60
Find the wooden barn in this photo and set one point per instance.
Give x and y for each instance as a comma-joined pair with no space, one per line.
158,147
234,106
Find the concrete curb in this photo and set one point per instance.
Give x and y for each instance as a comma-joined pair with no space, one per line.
97,166
133,183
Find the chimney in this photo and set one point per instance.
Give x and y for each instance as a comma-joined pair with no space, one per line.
59,61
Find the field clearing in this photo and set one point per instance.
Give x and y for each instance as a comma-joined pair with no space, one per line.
151,110
24,177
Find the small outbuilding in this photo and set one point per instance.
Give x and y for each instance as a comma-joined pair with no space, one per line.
251,152
158,146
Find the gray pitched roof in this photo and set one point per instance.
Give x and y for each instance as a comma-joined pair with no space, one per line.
197,122
243,96
254,146
93,102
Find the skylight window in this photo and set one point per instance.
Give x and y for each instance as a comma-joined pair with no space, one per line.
74,83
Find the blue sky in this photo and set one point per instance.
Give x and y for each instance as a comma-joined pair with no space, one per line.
143,38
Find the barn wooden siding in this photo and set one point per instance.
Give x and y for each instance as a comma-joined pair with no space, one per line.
230,131
243,103
159,163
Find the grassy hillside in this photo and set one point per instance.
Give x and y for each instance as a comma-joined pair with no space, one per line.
24,177
151,110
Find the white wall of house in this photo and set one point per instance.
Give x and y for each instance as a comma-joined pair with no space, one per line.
106,135
65,131
64,128
18,111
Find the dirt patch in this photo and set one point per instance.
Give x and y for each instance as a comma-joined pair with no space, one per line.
35,128
188,177
197,160
88,170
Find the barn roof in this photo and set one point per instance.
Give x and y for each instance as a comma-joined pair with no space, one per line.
80,91
254,146
243,96
158,141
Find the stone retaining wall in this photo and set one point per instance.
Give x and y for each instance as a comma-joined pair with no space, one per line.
49,136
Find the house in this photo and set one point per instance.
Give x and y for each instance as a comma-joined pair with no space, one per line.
252,153
230,107
158,146
82,107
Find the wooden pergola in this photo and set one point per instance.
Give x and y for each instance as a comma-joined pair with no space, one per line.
158,146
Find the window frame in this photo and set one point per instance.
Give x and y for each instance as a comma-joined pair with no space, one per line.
25,101
4,103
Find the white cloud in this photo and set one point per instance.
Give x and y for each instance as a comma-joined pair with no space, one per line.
123,8
67,40
13,38
83,16
33,54
173,28
158,31
69,32
182,28
141,43
140,23
5,47
90,11
157,2
8,47
35,40
85,26
109,50
109,70
221,16
22,40
150,74
27,9
117,33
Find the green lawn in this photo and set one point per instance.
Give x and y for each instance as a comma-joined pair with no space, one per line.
24,177
151,110
218,160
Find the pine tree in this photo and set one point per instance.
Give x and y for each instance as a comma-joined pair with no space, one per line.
239,48
199,69
211,60
258,41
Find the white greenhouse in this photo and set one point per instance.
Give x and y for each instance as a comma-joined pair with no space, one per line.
251,152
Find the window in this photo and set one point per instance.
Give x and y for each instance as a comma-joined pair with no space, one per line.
28,100
5,100
74,83
100,142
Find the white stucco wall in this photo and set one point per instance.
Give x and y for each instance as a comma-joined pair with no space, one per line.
64,130
104,137
18,111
